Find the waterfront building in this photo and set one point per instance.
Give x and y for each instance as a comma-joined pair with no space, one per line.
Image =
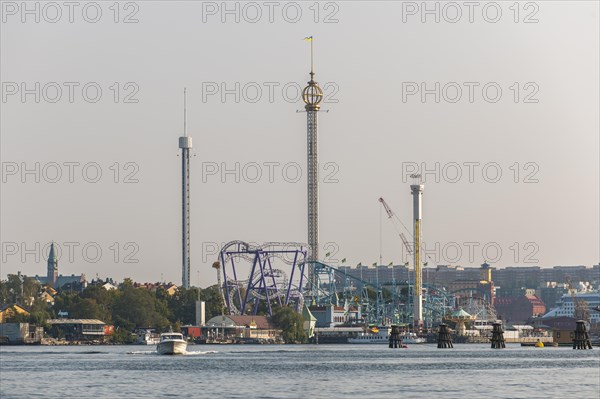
79,329
332,316
191,332
20,333
8,311
240,328
562,328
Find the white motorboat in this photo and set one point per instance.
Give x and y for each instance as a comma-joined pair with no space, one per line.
382,336
411,338
171,343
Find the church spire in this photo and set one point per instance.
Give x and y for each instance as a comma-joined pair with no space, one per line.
52,255
52,267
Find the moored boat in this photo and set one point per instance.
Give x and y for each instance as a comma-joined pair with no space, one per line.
147,337
412,338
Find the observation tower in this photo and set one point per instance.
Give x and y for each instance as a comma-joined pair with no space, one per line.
312,95
185,144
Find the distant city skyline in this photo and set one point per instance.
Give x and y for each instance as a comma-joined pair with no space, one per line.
501,118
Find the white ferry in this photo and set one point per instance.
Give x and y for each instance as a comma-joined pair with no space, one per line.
382,336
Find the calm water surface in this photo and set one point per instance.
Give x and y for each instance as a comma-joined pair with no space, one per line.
299,371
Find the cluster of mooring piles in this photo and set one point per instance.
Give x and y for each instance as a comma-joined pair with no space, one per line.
498,336
395,340
444,339
582,338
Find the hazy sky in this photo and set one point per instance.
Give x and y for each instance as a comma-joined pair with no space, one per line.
517,98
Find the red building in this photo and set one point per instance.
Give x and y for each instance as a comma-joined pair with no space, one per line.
519,309
191,331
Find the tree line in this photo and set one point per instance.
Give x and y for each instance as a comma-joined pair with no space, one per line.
127,308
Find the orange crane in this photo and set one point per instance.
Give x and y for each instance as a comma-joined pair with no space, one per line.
581,306
391,216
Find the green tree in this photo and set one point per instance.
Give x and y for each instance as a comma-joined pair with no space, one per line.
182,305
104,299
139,307
65,302
214,302
40,312
14,287
127,283
291,324
31,289
122,335
85,308
4,293
162,303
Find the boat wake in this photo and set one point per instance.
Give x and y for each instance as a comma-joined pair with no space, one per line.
196,353
142,353
188,353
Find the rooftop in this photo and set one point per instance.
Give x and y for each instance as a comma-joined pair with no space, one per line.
75,321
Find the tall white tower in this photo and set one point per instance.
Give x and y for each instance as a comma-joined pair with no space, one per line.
185,143
312,96
417,193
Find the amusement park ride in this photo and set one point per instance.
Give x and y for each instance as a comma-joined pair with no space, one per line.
253,279
257,277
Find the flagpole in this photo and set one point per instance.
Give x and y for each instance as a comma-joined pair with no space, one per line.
311,58
380,237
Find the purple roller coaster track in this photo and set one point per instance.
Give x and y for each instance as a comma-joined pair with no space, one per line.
256,277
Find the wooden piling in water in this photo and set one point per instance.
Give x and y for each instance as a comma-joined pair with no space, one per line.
498,336
395,340
582,338
444,339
